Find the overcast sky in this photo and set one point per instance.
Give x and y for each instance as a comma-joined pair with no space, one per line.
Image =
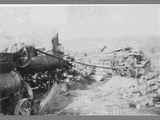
81,27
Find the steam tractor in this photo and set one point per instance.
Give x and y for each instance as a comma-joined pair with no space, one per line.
16,95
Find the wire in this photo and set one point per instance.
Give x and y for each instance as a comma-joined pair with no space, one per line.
89,65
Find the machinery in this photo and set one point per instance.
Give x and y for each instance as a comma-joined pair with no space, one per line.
13,90
16,95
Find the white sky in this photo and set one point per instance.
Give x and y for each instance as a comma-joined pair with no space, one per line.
81,27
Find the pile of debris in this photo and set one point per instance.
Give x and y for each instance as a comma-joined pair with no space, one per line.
130,63
126,62
133,64
145,91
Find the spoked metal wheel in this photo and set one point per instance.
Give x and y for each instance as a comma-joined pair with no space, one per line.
23,107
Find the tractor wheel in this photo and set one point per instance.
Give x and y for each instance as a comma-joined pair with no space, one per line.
23,107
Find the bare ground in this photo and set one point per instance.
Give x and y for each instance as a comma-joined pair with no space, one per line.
101,98
104,98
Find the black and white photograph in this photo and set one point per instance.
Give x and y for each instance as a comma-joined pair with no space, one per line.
79,60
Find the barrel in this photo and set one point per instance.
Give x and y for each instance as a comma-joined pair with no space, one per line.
9,82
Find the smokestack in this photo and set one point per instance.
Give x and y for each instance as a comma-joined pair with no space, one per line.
55,42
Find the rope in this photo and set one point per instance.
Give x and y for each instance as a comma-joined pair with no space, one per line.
77,62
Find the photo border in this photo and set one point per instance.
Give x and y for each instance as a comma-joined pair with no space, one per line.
79,1
72,2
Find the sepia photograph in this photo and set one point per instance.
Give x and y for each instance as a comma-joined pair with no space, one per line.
80,60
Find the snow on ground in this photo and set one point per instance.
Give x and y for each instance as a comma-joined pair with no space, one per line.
104,98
